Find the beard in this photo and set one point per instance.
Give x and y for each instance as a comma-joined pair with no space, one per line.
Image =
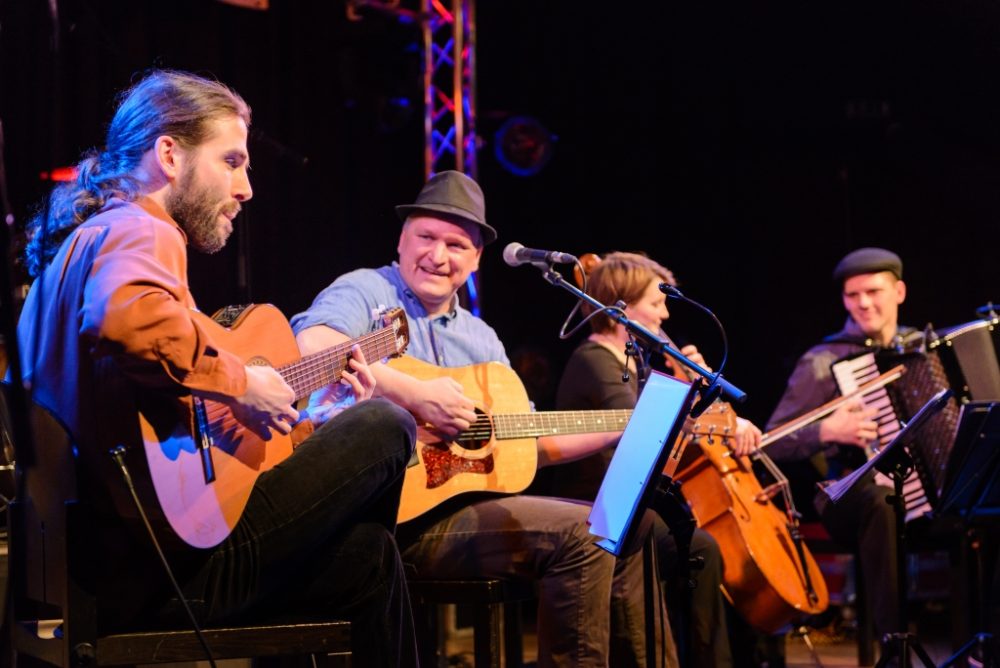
197,209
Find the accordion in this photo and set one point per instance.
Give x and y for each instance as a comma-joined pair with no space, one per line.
962,358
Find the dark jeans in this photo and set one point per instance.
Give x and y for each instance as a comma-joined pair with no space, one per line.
316,538
590,604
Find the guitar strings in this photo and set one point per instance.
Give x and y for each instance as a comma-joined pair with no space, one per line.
315,371
510,425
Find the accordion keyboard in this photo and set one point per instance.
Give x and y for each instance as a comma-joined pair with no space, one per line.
850,374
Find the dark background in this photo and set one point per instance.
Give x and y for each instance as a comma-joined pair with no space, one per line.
747,146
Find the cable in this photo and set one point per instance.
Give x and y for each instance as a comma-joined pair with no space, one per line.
672,291
118,454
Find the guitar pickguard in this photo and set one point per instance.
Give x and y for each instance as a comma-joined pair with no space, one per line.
442,464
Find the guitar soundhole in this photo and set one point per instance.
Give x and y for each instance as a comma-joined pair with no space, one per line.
478,435
442,464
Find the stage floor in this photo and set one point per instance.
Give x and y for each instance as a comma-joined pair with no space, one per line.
835,644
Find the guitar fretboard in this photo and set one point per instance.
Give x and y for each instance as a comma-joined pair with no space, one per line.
507,426
314,371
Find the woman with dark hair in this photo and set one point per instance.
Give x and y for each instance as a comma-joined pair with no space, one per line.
594,378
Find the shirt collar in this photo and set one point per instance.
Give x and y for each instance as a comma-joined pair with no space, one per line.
853,330
150,206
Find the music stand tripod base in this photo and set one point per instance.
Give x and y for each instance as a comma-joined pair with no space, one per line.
895,462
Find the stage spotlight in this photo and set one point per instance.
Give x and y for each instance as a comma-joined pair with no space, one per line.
523,145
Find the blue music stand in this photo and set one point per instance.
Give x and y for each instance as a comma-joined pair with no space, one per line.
637,465
635,481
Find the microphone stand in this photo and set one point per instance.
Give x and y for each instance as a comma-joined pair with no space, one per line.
667,500
716,385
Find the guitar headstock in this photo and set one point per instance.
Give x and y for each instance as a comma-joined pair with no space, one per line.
396,319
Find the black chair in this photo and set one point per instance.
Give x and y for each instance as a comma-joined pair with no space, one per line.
53,614
490,600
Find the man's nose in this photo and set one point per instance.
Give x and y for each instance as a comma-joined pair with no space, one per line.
241,186
438,252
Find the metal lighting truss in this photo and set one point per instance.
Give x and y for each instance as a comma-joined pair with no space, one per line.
448,32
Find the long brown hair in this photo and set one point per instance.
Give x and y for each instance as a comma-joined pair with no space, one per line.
164,103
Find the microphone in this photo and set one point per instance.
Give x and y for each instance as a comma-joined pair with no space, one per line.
671,291
516,254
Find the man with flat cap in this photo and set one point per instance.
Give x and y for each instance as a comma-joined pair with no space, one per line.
590,607
872,288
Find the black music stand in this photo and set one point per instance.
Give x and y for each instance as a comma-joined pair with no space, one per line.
972,492
895,462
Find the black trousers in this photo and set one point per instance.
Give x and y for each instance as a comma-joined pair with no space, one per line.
316,537
864,521
708,637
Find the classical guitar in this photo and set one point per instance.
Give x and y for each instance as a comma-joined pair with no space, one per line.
202,462
496,454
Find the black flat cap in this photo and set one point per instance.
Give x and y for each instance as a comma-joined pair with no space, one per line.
867,261
456,196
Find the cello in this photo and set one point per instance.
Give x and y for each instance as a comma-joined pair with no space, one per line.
769,575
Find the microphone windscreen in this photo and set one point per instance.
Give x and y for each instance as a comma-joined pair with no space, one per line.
510,253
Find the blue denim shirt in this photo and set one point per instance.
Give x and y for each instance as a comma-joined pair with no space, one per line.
457,338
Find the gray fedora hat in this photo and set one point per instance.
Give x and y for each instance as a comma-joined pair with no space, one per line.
455,195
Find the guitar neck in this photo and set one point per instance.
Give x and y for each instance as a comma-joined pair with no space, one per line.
549,423
319,369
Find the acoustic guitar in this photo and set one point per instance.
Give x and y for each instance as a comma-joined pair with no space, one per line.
496,454
202,462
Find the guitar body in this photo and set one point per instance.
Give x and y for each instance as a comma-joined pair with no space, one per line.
198,463
202,513
448,468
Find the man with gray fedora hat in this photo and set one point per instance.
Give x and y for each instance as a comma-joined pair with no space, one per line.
582,588
452,195
870,281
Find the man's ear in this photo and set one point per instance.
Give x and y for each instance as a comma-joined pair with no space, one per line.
169,156
900,291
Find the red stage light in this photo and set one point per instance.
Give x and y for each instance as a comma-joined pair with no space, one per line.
61,174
